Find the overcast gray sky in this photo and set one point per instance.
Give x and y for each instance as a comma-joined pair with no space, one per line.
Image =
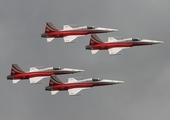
145,70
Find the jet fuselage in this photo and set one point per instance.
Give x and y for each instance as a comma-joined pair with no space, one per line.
81,84
64,33
108,45
27,75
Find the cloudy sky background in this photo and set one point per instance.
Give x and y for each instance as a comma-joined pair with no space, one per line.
145,70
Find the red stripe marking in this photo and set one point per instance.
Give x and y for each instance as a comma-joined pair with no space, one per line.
17,69
51,27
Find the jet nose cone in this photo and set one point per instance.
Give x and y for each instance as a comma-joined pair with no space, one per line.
117,82
112,30
159,42
156,42
78,70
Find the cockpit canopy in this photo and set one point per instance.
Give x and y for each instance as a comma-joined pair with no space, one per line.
57,68
90,27
95,79
135,39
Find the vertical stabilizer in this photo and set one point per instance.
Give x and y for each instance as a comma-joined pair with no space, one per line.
15,69
95,40
54,80
50,28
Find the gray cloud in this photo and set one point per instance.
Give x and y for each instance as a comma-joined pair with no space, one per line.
144,95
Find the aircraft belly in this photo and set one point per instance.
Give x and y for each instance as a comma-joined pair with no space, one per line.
63,72
101,47
79,86
100,84
60,87
21,76
38,74
96,31
141,44
69,33
120,45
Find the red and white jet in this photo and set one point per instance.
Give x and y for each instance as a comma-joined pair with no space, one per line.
114,46
35,75
74,86
69,33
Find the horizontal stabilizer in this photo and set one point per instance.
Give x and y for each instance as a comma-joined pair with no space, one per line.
49,39
15,81
111,39
35,79
54,92
94,51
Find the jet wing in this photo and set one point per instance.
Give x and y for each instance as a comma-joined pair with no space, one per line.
67,27
74,91
114,51
68,39
33,69
111,39
36,79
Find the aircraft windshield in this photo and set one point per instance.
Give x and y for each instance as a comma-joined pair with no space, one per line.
135,39
95,79
56,68
90,27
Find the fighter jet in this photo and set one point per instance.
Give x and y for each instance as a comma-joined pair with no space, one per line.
35,74
74,86
114,46
69,33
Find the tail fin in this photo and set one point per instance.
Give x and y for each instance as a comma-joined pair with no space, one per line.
67,27
95,40
54,80
50,28
15,69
